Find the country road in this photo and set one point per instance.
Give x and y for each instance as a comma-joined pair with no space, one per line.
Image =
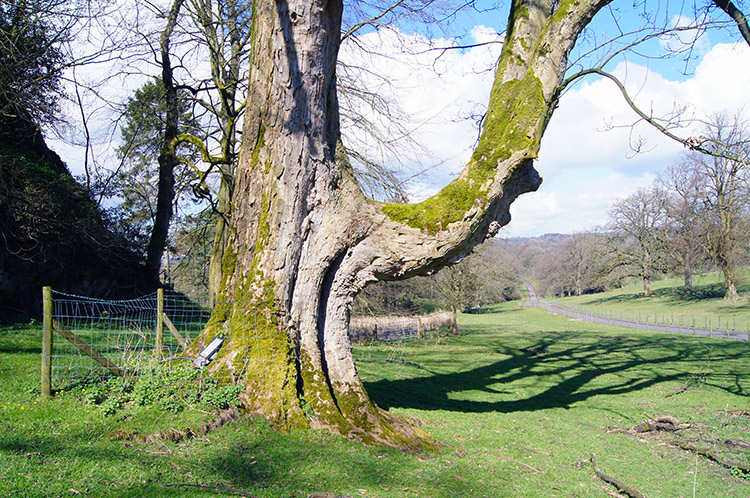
558,309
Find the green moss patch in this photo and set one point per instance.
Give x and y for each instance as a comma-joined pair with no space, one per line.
515,109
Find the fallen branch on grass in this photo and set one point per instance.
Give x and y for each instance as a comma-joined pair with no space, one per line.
660,423
665,423
628,490
666,419
737,443
713,456
676,391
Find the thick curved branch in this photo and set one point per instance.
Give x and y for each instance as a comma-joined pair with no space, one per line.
736,14
198,143
444,227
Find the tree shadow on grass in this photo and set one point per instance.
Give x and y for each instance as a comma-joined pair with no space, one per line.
560,370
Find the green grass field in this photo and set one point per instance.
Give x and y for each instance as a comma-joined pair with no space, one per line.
668,302
518,403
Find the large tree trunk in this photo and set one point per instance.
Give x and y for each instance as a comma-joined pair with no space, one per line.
307,240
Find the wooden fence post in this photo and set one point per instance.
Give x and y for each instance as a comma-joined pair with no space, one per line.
159,322
47,341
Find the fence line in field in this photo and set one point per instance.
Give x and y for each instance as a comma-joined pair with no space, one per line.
393,328
668,322
143,337
90,337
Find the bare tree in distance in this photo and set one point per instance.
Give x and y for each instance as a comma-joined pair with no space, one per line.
685,232
637,234
724,193
573,264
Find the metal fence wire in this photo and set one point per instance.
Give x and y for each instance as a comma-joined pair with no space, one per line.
137,337
146,337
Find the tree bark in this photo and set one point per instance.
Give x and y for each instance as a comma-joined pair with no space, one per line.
306,238
222,231
730,283
688,274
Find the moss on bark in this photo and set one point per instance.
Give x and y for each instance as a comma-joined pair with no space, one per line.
511,125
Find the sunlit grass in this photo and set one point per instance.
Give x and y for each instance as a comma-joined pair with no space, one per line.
518,403
668,303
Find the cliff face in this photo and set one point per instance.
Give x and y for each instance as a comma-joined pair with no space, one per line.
51,232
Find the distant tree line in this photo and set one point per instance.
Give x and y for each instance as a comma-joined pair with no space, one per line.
487,276
695,216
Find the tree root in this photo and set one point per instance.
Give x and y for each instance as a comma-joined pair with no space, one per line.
175,435
628,490
707,453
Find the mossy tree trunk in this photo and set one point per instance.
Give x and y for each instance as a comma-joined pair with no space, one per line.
306,238
222,230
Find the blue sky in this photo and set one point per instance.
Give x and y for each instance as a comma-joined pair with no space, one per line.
586,159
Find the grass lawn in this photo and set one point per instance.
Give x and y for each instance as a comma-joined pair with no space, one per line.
705,305
518,403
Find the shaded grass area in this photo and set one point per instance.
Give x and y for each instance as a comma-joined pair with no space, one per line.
518,403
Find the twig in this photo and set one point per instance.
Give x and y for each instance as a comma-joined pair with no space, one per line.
530,467
630,491
695,475
676,391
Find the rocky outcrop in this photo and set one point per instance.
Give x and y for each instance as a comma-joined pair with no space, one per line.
51,232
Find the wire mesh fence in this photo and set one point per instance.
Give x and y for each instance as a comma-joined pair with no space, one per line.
150,336
141,337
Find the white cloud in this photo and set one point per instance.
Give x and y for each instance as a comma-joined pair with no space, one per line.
571,203
436,88
690,36
590,168
586,158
